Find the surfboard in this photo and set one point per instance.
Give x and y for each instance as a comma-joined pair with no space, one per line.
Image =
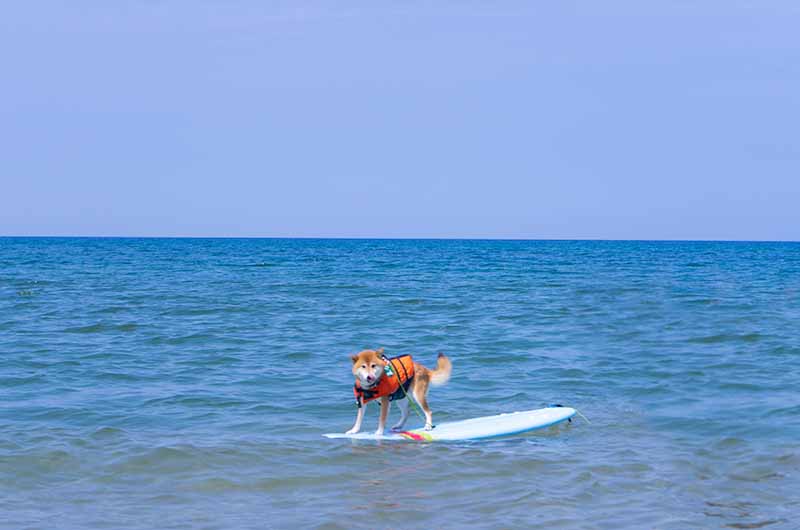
476,428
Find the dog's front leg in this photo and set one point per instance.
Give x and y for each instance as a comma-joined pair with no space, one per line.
359,419
384,414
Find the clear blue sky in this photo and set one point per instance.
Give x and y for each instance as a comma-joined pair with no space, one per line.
618,120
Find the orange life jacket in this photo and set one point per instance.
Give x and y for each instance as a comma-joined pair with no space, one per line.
393,383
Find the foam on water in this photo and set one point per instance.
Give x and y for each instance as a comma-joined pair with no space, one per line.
185,383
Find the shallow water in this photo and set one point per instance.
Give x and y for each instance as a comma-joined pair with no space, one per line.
185,383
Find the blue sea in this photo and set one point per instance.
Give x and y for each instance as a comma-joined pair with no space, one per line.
186,383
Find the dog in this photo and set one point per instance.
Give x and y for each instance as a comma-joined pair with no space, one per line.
379,377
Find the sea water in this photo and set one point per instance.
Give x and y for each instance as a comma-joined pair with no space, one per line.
186,383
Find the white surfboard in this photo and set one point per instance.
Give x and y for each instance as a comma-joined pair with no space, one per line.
476,428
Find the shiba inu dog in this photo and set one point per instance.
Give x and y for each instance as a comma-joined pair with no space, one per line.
393,379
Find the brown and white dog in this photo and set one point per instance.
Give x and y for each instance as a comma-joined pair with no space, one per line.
369,369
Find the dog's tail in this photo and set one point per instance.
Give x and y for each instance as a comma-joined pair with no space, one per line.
442,373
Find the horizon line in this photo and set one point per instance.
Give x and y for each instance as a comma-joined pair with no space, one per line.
407,238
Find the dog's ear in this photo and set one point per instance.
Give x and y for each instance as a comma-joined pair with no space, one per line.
379,351
354,358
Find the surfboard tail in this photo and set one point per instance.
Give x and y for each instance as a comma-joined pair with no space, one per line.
441,374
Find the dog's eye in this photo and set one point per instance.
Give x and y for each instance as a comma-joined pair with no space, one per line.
373,366
364,366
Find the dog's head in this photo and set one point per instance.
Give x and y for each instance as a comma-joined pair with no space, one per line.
368,367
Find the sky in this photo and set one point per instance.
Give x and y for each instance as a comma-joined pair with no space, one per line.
533,120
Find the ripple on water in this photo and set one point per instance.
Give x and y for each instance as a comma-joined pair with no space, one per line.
102,328
193,338
22,380
109,433
719,338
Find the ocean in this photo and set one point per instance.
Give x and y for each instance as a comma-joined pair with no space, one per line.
186,383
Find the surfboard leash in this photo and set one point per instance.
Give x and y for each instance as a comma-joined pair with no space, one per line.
579,413
405,394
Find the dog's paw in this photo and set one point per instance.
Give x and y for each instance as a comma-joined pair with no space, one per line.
352,431
379,432
397,428
428,427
